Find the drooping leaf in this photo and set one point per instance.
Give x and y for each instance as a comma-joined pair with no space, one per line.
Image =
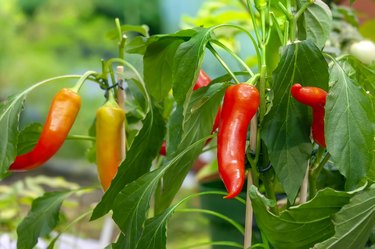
28,138
10,111
145,147
187,62
197,125
188,59
353,223
286,128
158,64
301,226
316,24
41,220
349,127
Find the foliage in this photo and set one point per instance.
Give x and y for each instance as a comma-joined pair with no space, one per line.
281,156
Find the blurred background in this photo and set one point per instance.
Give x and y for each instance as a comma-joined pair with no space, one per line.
41,39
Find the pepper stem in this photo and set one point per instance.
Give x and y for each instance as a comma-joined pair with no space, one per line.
82,80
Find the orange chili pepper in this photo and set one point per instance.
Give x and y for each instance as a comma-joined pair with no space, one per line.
62,114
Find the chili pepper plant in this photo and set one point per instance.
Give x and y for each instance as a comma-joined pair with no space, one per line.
288,122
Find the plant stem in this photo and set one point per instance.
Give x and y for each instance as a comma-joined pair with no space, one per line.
302,9
80,137
82,80
255,44
210,212
249,214
122,39
235,56
222,62
269,187
262,91
253,19
121,103
316,169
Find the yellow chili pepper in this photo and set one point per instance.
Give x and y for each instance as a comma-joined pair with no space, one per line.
109,143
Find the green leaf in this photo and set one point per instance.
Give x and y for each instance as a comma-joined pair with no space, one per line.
136,196
10,111
353,223
362,74
301,226
158,65
187,62
197,125
28,138
145,147
135,199
317,22
43,217
188,59
286,128
272,48
349,127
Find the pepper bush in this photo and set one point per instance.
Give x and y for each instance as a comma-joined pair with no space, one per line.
292,44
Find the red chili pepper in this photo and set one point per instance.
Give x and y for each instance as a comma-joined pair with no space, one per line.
241,102
314,97
203,80
62,114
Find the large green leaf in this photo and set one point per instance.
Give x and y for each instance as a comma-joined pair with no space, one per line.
187,62
302,226
9,117
198,124
349,127
145,147
316,24
135,200
42,218
132,204
158,64
286,128
353,223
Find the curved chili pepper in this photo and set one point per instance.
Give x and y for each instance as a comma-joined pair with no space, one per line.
62,114
314,97
109,126
241,102
203,80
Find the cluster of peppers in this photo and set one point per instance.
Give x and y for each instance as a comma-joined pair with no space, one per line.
60,119
241,102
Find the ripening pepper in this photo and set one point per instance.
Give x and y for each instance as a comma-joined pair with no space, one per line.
240,104
314,97
109,143
62,114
